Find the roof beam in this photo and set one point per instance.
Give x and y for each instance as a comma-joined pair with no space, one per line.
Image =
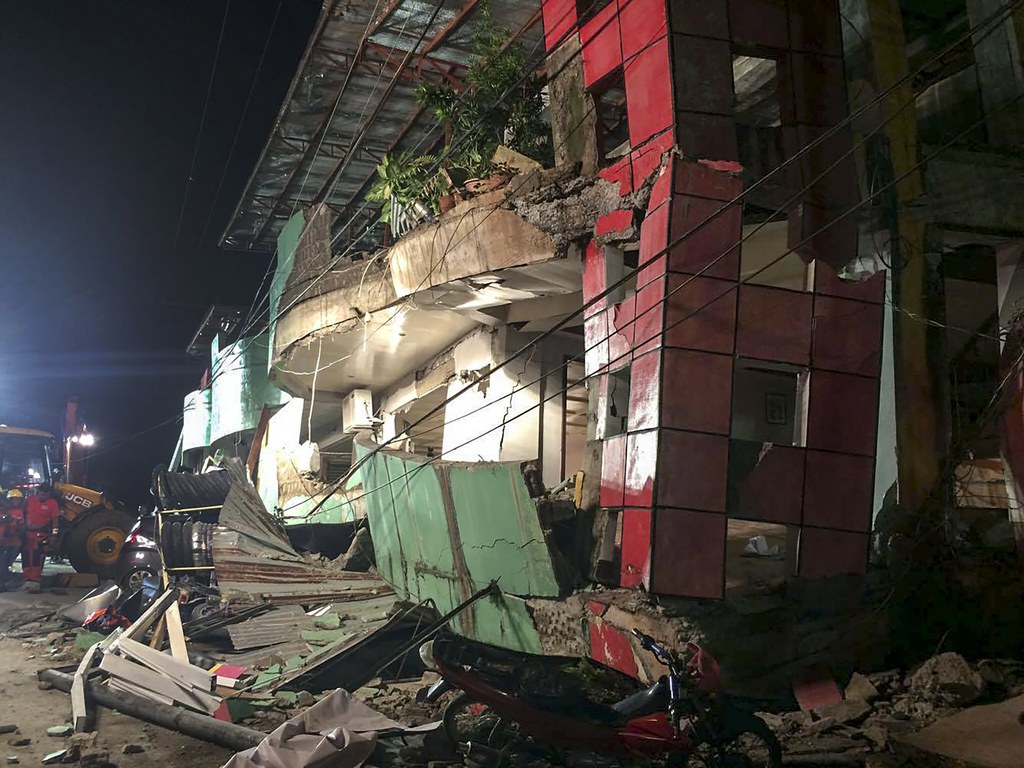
321,130
454,23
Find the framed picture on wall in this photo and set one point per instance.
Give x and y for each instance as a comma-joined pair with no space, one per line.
775,409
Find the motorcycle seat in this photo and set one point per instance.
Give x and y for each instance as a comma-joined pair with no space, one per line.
645,702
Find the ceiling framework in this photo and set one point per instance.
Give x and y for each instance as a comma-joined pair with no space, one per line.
353,101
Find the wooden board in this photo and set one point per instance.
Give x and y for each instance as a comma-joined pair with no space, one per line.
175,633
183,672
123,685
148,680
151,614
79,709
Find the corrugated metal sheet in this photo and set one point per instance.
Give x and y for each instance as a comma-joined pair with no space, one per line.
254,561
341,114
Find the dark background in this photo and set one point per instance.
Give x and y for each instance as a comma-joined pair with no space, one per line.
100,107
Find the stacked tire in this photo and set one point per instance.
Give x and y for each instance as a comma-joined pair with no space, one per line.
187,544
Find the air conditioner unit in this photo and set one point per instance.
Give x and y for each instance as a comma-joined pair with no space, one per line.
357,411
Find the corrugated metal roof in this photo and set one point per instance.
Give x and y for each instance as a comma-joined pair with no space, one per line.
254,561
352,101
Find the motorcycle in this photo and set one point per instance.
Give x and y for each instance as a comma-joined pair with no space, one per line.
580,704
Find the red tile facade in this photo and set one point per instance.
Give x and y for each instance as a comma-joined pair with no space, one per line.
676,477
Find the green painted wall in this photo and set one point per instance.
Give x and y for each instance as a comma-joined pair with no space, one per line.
287,242
240,386
409,503
195,420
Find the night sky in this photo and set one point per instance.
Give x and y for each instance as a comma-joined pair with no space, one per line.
100,106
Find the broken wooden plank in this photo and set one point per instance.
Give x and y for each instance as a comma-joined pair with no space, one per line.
79,709
157,640
154,681
160,662
117,684
175,632
151,614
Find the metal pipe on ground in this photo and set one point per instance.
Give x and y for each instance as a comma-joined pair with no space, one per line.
229,735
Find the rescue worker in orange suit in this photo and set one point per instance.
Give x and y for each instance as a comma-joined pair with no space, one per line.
12,528
41,519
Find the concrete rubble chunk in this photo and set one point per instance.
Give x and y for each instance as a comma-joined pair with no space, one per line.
13,759
9,728
846,711
23,742
54,757
60,731
991,735
132,749
950,676
860,688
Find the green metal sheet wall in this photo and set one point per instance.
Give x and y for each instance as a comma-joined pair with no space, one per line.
442,531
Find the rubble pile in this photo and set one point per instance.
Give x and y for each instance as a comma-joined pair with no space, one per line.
878,710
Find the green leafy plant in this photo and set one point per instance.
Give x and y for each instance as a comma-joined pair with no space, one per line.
406,179
501,106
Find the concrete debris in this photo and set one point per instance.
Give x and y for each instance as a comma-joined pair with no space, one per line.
950,677
885,712
55,757
8,729
13,760
989,735
60,731
20,742
132,749
860,688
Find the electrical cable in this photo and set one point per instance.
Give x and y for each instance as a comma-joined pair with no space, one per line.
733,286
202,123
238,129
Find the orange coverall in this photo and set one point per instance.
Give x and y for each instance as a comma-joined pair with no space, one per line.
40,521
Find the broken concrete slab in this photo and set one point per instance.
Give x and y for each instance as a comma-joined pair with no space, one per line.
860,688
988,736
950,676
847,711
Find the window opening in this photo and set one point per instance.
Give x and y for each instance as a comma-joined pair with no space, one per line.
767,402
612,118
755,558
757,112
588,9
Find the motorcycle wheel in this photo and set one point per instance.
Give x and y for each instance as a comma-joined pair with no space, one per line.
755,747
468,721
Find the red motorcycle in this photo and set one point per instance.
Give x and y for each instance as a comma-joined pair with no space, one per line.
580,704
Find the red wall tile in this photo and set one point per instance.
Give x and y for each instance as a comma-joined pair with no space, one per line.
830,553
595,275
613,471
819,86
711,137
647,159
698,180
621,173
643,22
620,342
707,18
759,23
645,391
689,553
595,336
695,245
649,93
650,316
692,470
635,568
611,647
702,74
559,17
698,391
842,413
653,239
816,26
641,465
822,234
616,221
774,324
847,336
773,489
839,491
700,313
602,50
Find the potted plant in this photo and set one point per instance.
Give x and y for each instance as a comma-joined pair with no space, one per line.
409,181
499,107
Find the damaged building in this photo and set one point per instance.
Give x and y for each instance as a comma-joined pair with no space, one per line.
758,313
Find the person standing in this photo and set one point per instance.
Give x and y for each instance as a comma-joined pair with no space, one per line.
42,514
12,528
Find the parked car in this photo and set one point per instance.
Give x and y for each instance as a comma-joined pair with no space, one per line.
140,555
